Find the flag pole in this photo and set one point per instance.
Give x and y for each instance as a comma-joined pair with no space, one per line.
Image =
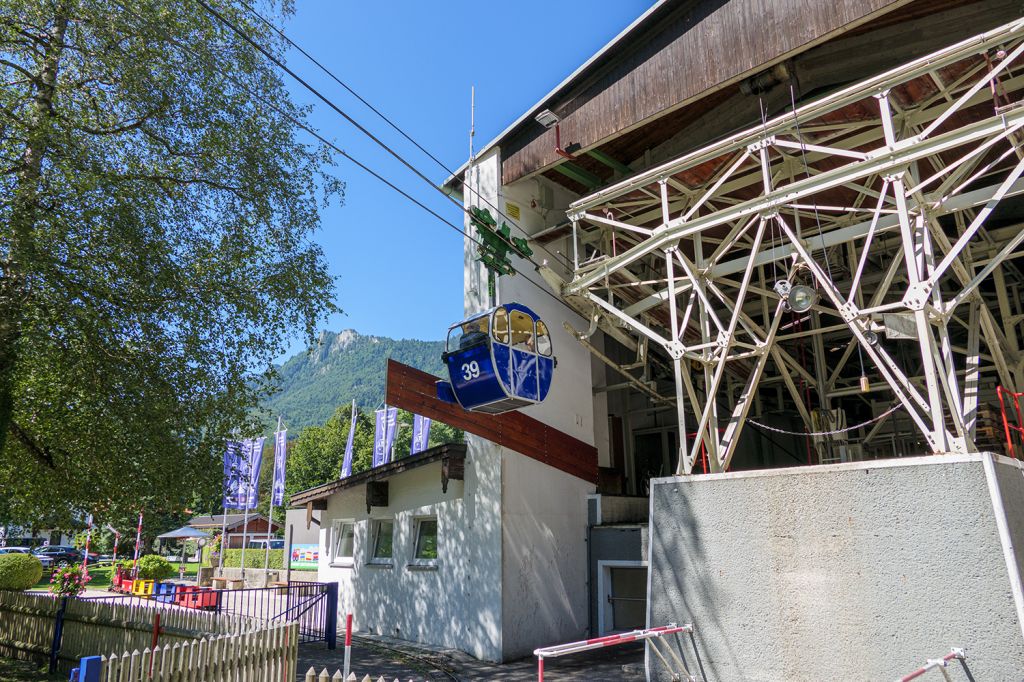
223,540
245,506
225,498
270,513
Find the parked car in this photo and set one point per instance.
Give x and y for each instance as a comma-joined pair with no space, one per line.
262,544
46,561
62,555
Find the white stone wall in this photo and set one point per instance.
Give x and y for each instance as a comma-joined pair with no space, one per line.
544,555
456,605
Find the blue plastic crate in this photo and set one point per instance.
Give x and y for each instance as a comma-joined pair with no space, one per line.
164,592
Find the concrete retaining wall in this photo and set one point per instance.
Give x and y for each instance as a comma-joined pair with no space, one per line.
855,571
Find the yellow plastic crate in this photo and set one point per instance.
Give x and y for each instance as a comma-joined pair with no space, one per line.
142,588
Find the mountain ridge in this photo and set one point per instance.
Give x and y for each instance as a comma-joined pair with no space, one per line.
343,366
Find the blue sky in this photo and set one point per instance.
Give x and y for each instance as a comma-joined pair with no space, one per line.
399,269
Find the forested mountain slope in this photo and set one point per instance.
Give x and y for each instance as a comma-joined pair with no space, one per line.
343,366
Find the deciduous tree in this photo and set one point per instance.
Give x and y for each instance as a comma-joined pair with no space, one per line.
155,213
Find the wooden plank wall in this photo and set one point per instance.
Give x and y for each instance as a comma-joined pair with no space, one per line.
413,390
690,49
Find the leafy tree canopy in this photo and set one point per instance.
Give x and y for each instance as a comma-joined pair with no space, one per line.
155,214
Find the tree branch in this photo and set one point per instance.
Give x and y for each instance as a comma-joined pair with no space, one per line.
41,452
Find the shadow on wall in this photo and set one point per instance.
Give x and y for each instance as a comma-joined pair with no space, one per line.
537,608
677,537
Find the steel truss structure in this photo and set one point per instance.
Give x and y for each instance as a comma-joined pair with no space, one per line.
893,199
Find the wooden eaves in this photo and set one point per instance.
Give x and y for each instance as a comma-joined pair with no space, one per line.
451,455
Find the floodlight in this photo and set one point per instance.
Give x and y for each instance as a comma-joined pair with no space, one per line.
801,298
547,118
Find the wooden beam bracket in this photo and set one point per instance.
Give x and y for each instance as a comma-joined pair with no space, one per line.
452,468
376,494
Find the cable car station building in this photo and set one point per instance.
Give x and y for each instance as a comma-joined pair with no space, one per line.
774,246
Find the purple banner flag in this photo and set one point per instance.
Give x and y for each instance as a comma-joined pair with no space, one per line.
232,474
384,435
346,464
252,451
280,461
420,433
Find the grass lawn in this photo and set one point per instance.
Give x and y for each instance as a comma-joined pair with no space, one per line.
102,576
16,671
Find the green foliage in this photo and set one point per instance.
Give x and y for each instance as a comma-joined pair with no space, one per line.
155,567
101,542
19,571
154,250
254,558
342,367
319,451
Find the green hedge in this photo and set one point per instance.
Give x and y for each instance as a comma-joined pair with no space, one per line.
254,558
19,571
155,567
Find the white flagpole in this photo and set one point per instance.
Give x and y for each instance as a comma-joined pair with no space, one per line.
270,521
233,479
224,520
223,540
245,506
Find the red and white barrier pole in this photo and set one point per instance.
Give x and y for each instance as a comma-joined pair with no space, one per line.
88,537
348,645
955,654
138,541
601,642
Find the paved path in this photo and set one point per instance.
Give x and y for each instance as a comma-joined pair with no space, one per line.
392,658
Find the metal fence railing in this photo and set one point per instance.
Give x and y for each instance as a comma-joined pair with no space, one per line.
313,606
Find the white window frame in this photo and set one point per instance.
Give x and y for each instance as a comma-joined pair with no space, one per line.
371,545
336,532
424,564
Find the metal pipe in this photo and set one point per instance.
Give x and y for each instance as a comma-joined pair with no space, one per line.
642,387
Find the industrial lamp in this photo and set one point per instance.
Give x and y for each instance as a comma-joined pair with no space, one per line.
546,118
801,298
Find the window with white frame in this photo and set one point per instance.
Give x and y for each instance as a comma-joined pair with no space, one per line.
426,540
382,536
342,542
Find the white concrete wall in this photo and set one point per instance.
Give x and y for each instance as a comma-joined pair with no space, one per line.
569,406
858,571
458,605
296,518
544,555
482,180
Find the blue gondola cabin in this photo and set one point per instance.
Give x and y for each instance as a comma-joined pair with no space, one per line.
498,360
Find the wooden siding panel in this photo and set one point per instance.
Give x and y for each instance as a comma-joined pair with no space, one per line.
692,48
413,390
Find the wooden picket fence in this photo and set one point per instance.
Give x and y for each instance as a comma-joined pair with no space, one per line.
191,645
267,654
27,623
325,676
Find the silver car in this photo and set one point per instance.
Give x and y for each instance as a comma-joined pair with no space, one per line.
46,561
